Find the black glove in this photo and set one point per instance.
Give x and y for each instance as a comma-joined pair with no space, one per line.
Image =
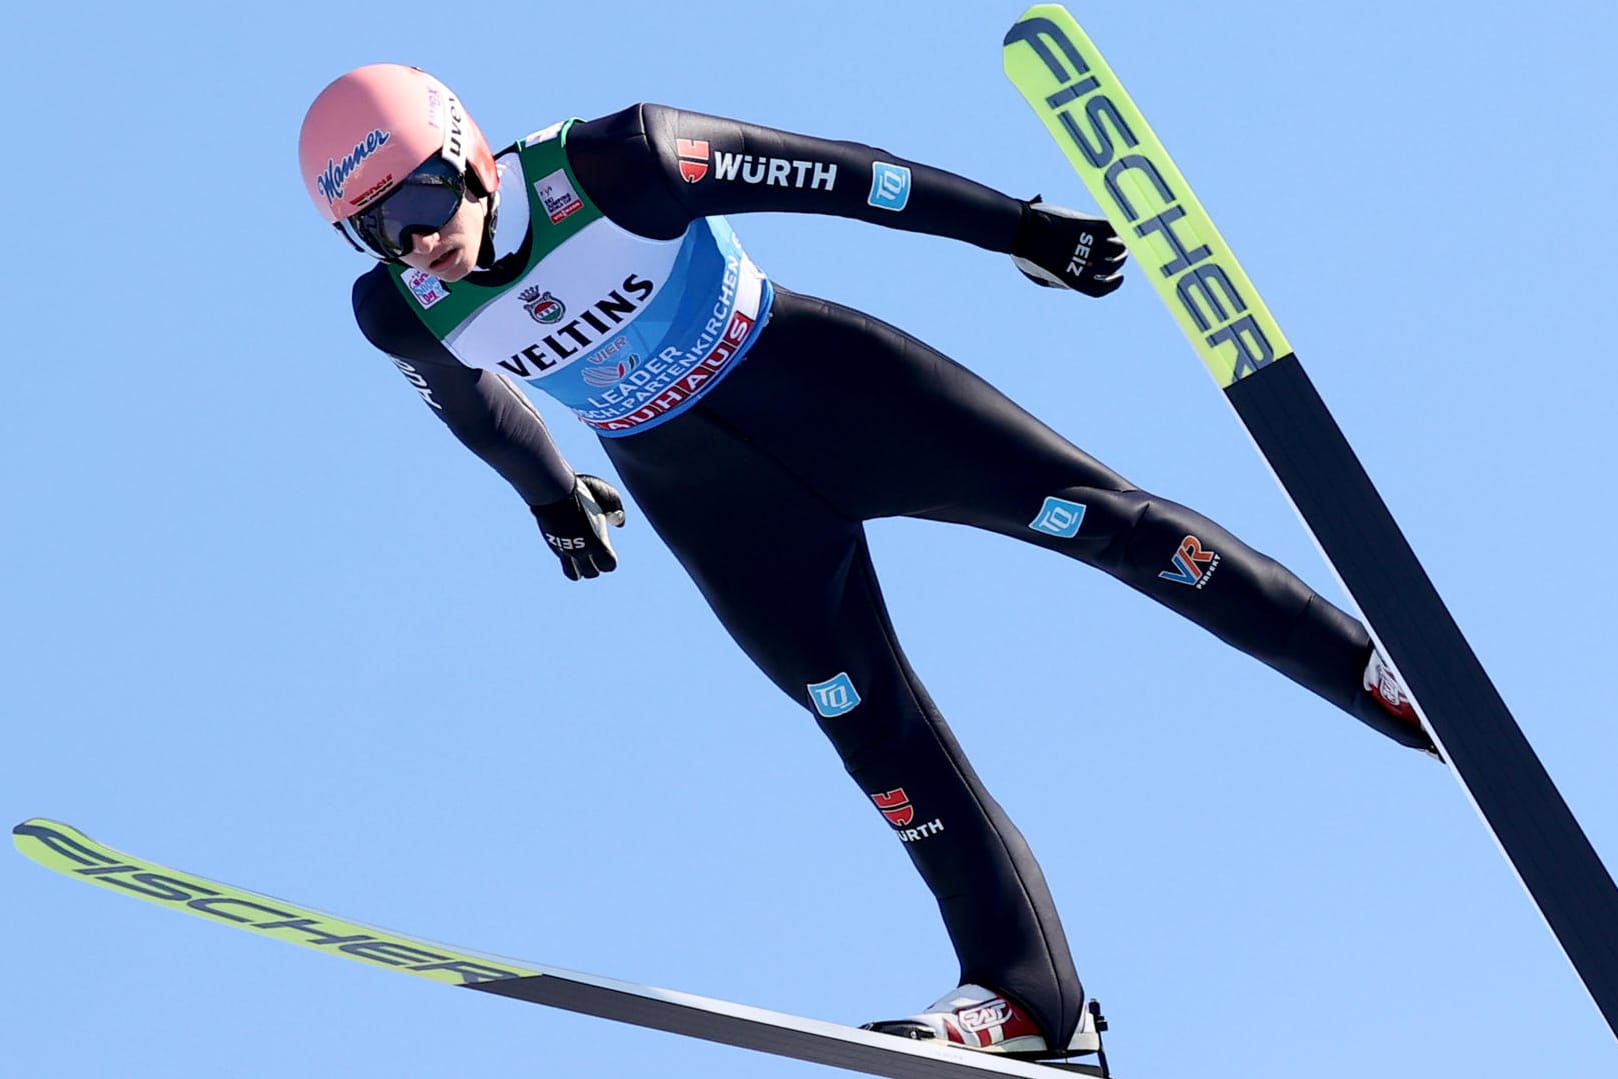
576,527
1062,248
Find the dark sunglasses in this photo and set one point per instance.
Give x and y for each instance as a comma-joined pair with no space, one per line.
422,203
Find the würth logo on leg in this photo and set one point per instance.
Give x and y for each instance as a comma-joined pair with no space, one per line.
895,806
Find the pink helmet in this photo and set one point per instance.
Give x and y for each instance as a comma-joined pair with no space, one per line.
374,126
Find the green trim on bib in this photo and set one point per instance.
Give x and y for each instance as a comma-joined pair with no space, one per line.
558,210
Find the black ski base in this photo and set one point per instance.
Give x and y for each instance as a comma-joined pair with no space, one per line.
1464,712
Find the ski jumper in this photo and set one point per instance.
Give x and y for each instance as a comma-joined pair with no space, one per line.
619,289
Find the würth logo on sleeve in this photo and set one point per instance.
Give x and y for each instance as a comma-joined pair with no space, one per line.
697,159
693,155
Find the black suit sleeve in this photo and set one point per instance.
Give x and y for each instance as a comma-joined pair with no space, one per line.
654,170
492,418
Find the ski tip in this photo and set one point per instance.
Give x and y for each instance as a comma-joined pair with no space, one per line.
40,839
1030,22
33,825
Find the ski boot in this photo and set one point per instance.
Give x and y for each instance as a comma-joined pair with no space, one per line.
972,1017
1390,694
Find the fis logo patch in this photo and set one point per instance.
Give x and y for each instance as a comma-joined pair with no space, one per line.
1193,564
556,194
834,697
1059,518
890,186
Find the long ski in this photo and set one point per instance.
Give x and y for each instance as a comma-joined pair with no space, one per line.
74,854
1058,69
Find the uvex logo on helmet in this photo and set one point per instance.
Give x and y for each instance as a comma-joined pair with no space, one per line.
331,181
454,150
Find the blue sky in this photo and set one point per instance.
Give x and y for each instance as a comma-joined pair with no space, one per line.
266,621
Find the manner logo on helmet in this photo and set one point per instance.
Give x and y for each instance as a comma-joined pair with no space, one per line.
542,306
556,194
332,181
693,159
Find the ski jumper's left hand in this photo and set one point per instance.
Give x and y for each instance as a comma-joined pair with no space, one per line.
576,527
1061,248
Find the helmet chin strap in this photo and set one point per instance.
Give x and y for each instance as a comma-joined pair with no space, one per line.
491,216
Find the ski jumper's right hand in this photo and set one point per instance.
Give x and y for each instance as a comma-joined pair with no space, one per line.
1061,248
576,527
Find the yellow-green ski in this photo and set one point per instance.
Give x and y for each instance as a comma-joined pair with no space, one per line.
73,854
1051,60
1059,70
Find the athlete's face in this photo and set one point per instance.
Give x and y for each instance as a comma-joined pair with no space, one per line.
452,252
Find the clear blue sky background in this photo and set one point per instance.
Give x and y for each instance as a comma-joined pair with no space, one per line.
223,648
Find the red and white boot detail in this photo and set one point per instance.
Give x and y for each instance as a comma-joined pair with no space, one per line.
972,1017
1386,689
1389,692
